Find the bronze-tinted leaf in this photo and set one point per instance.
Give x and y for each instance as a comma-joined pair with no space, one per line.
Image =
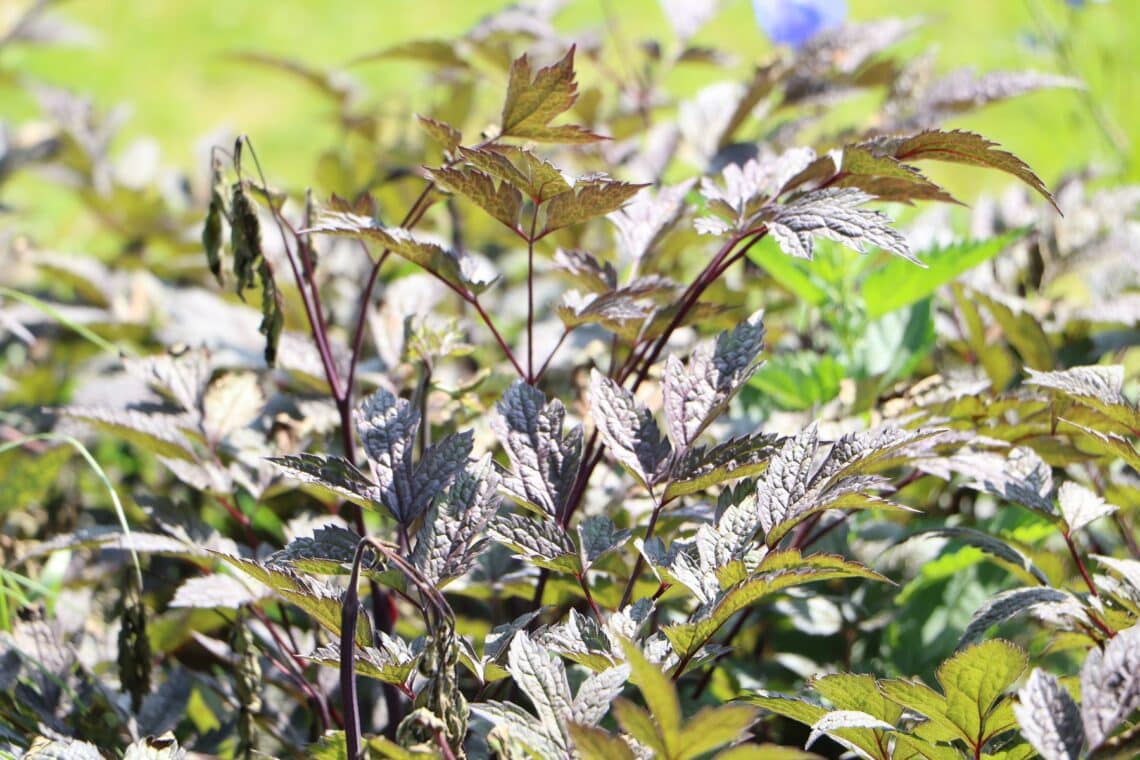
499,199
589,198
534,98
959,147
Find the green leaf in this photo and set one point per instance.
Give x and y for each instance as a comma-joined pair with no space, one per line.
703,467
899,283
792,274
393,662
534,177
1022,330
592,743
660,698
535,98
27,476
640,725
918,697
441,53
713,727
798,381
687,638
886,178
1099,387
160,434
975,679
443,133
851,691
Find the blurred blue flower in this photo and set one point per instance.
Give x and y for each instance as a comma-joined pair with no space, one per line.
794,22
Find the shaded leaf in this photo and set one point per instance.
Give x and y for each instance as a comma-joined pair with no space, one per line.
160,434
1110,685
713,727
1049,718
1004,605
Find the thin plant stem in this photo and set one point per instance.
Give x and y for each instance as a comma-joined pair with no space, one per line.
639,565
530,297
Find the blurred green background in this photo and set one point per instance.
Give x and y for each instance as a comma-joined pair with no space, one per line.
169,61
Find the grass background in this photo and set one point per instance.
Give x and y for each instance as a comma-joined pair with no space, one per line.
169,62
